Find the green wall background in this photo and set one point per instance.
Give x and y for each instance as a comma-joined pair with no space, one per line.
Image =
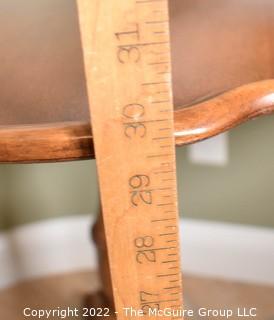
241,192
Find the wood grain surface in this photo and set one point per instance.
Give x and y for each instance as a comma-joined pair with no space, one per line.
126,46
73,140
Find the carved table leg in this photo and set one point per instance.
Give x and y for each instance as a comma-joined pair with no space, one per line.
103,298
98,233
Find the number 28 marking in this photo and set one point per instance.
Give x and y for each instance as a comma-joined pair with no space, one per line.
145,252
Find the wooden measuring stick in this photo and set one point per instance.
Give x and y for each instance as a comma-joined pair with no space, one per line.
127,61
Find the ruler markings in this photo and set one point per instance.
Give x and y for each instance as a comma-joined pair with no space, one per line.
162,220
160,172
164,72
170,261
161,138
155,83
159,156
159,301
160,249
143,44
175,287
160,32
165,204
149,121
167,275
149,1
130,175
160,101
158,63
168,234
163,147
166,110
164,129
161,92
156,22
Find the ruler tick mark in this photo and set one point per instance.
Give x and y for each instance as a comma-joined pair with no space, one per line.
159,249
155,83
161,101
130,45
161,62
165,204
158,302
160,32
148,121
166,110
174,293
161,138
167,275
162,220
160,155
164,129
169,261
157,21
169,241
160,172
164,72
148,1
167,234
175,287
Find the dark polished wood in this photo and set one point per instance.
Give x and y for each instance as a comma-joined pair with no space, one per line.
217,45
73,140
52,142
217,115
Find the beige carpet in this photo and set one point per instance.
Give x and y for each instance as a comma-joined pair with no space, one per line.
69,290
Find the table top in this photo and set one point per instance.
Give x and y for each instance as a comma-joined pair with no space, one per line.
216,45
